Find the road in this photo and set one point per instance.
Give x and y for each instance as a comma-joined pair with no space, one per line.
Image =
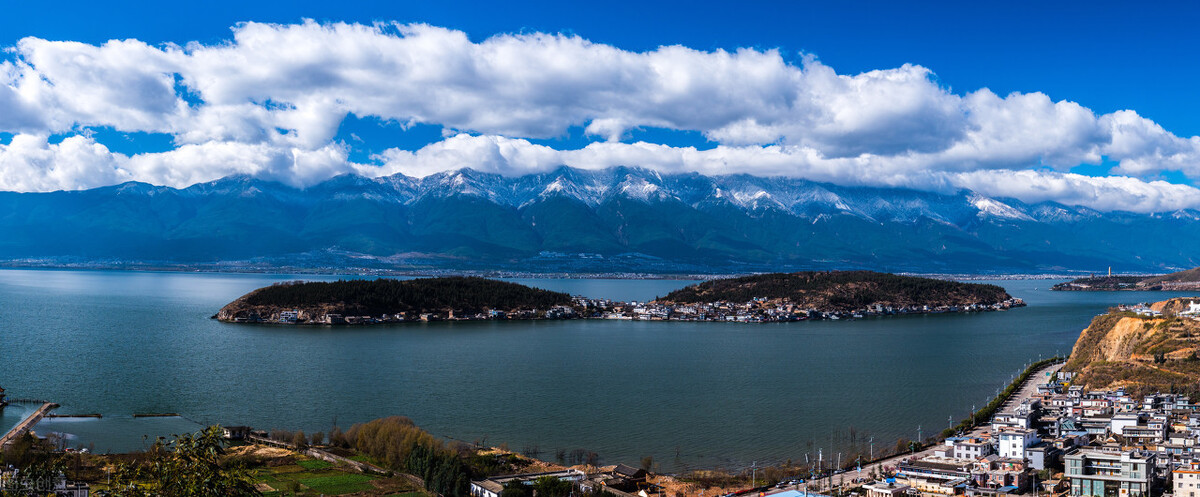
1028,389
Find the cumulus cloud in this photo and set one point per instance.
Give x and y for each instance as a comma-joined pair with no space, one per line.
269,102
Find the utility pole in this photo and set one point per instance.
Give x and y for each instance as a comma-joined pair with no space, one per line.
841,476
820,459
753,469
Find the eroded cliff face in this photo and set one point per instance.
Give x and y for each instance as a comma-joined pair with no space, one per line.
1111,338
1139,353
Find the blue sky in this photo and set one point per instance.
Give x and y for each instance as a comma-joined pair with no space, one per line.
937,125
1105,55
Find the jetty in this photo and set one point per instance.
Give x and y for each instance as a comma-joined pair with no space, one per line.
27,424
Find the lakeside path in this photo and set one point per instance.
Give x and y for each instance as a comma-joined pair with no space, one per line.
1028,389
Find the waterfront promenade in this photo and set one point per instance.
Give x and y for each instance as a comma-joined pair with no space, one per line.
26,424
1027,390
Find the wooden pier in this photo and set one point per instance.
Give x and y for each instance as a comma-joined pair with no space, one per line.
27,424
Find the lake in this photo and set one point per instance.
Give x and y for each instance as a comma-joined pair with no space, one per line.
688,394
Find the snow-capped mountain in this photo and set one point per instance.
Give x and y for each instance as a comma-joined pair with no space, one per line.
623,214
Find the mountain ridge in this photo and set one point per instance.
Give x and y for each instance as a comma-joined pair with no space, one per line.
569,219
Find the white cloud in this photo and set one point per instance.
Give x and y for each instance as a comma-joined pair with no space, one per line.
270,101
31,163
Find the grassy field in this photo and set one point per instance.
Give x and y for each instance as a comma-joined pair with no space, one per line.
316,477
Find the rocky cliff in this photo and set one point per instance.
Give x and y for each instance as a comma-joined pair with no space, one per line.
1140,352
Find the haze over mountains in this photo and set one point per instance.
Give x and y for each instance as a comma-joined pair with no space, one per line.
616,219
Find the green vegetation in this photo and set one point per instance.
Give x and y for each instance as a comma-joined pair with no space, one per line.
401,445
1140,354
311,464
304,478
984,415
338,484
841,290
190,465
390,296
36,460
1100,283
546,486
419,295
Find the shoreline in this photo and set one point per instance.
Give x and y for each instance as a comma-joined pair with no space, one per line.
830,316
514,274
605,310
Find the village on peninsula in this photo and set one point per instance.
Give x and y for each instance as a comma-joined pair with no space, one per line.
778,297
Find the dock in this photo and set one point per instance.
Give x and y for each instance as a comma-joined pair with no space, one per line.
27,424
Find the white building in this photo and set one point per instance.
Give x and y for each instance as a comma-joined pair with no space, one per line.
1014,441
972,448
884,489
1120,421
1186,480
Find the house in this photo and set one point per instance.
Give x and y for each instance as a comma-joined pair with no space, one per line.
995,472
235,432
1145,435
1104,473
1186,480
628,478
885,489
289,317
492,487
1120,421
1042,455
972,448
1014,441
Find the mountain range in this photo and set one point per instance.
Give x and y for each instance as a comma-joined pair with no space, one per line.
613,220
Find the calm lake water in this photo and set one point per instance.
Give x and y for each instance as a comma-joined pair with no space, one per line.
689,394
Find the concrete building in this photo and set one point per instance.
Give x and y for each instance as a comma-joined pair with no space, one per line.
1098,473
1014,441
885,489
1186,480
492,487
972,448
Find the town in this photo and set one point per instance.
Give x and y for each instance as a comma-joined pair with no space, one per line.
1062,440
756,310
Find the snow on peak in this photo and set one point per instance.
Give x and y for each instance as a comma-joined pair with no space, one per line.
989,207
640,189
556,186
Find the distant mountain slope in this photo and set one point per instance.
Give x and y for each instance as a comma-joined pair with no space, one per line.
1188,276
841,290
617,219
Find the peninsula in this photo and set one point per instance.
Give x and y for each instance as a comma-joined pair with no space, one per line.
1179,281
388,300
759,298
